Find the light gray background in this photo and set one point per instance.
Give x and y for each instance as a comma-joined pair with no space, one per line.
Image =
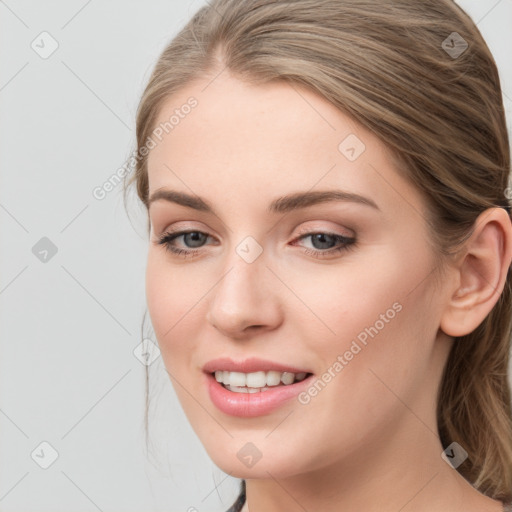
68,375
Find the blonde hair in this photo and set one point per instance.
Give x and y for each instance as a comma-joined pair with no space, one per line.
441,114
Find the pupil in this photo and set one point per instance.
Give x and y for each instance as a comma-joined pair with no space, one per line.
321,237
194,235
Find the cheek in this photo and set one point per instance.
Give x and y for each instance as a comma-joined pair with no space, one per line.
376,314
345,302
172,301
160,288
384,320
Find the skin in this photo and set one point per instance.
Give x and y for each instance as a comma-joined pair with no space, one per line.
368,441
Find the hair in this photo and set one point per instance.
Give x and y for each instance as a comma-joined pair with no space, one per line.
441,116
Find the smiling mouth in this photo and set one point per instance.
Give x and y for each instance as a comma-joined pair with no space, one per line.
256,382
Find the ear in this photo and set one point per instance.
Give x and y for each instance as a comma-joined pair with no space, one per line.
481,272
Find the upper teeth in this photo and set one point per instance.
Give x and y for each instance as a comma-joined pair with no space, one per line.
257,379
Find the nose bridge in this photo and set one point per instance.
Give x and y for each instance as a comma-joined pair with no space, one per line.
244,295
243,281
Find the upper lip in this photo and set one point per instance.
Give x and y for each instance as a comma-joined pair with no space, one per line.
250,365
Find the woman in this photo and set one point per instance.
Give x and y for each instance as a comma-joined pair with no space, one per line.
330,243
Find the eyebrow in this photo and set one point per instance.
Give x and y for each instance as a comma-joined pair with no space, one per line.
282,204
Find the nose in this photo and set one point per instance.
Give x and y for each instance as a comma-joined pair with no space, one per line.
246,300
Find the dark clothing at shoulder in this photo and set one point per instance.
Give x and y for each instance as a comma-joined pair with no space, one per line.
239,503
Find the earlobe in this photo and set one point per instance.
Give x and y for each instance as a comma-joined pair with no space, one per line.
481,273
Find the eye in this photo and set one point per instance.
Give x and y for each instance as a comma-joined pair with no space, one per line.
321,239
322,242
196,238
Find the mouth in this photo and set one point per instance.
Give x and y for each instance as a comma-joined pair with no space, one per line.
253,387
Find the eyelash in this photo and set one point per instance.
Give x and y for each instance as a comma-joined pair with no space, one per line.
348,243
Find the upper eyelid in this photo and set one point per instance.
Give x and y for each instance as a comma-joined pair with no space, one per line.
309,229
302,231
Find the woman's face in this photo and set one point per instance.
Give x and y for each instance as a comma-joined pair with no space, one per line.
341,289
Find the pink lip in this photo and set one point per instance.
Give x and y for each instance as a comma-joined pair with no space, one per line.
250,405
252,364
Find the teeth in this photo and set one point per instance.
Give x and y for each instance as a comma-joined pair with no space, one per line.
239,389
255,380
287,378
273,378
237,379
251,382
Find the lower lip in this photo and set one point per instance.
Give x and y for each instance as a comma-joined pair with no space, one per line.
250,405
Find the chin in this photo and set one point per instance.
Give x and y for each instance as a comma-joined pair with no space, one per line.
247,462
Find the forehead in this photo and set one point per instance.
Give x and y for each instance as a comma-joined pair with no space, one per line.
248,140
232,118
